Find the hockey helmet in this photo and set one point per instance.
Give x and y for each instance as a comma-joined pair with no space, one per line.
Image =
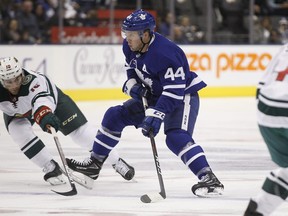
140,21
9,68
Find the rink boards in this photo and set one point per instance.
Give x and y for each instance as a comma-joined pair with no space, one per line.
96,72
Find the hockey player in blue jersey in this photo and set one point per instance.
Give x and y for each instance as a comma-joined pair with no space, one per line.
158,70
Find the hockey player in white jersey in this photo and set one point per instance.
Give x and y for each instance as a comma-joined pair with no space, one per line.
27,97
272,120
158,70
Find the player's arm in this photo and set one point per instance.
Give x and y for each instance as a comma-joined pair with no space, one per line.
133,86
135,90
43,96
273,67
45,118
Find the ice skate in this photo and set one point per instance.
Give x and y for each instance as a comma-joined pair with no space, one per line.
124,169
90,166
54,177
208,186
251,209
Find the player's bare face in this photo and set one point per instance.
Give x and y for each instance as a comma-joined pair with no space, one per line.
134,41
13,85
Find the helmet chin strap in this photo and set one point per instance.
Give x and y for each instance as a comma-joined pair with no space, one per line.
143,44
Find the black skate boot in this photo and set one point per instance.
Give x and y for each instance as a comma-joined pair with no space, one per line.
54,177
124,169
251,209
90,167
208,186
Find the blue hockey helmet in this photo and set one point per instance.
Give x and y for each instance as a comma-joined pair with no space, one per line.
140,21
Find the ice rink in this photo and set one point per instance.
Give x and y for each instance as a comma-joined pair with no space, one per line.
226,129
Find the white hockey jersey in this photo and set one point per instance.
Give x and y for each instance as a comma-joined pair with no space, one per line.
273,92
36,90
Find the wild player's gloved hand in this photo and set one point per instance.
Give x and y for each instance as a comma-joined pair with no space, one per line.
152,121
135,90
44,117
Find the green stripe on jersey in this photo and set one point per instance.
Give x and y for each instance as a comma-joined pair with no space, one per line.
34,149
272,111
273,188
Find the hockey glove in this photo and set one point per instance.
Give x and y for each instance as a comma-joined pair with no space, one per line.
152,121
135,90
44,117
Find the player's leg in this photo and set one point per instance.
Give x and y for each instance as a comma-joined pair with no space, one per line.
33,148
275,187
75,125
86,134
114,121
273,193
179,126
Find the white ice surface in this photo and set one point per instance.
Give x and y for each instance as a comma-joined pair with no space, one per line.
226,129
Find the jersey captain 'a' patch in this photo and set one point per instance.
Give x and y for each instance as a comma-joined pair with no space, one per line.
144,69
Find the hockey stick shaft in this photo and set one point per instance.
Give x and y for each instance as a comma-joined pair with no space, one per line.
63,159
157,165
155,155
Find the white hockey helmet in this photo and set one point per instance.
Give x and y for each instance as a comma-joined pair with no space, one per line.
9,68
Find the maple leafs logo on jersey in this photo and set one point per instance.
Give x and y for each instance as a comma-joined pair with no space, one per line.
140,73
146,80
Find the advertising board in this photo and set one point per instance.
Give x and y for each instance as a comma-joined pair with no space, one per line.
89,72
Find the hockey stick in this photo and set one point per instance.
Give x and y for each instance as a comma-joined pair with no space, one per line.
154,197
81,179
62,156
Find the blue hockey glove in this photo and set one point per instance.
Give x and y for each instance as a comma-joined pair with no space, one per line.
44,117
152,121
135,90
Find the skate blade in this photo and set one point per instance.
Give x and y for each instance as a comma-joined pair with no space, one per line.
205,193
59,180
80,178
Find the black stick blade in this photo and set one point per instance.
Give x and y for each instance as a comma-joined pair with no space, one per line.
68,193
151,198
145,199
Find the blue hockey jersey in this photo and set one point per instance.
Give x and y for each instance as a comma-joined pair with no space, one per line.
164,70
